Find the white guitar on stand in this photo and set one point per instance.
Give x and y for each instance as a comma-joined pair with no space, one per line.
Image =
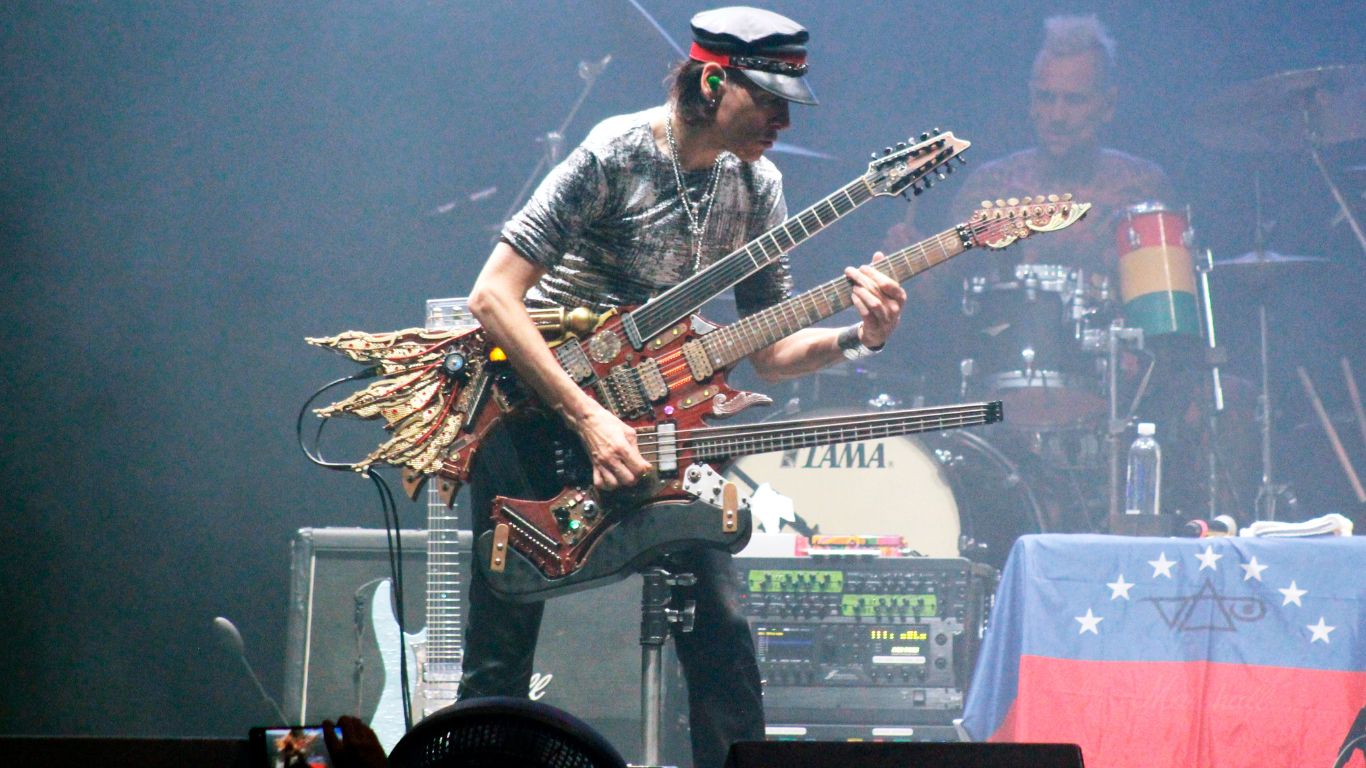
435,653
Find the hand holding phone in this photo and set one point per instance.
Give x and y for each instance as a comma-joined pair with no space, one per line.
352,744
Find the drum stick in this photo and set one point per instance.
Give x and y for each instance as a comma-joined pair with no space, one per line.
1332,434
1356,396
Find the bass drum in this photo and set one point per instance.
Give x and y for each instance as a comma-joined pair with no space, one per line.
950,494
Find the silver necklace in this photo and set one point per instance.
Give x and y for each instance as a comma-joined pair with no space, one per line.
694,212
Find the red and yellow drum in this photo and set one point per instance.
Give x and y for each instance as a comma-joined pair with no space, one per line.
1156,276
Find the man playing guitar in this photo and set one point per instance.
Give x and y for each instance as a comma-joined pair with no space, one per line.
647,200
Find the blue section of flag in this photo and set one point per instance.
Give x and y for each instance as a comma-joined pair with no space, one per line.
1266,602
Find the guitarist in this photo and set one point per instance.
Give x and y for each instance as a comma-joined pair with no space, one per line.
647,200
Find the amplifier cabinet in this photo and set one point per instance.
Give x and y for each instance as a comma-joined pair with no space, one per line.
587,660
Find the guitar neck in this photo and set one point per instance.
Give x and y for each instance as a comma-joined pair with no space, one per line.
445,646
730,344
678,302
718,443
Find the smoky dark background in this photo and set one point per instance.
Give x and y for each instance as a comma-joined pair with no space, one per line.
187,190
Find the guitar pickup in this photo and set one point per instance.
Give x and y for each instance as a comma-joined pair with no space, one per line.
666,434
574,362
699,364
652,381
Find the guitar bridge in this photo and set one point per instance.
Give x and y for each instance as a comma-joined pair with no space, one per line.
622,392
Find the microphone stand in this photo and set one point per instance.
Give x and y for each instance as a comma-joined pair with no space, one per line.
554,140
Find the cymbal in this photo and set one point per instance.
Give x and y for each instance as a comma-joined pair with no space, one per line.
1268,259
1287,110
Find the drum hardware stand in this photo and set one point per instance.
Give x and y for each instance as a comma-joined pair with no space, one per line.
1269,493
657,594
1214,357
1311,137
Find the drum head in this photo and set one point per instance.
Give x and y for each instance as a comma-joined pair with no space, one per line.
890,486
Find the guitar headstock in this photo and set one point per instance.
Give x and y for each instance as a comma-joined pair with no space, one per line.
998,224
912,166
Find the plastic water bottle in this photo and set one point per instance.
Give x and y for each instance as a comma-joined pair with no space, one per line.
1142,492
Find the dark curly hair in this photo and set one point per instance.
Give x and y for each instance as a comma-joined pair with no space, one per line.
685,92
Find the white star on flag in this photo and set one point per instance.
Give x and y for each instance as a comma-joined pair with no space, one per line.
1208,559
1119,588
1090,622
1252,570
1162,566
1293,594
1320,631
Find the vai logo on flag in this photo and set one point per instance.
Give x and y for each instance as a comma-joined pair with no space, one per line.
1203,607
1208,610
1218,651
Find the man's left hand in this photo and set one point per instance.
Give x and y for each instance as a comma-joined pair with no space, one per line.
878,299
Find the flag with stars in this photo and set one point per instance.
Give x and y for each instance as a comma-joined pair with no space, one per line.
1176,652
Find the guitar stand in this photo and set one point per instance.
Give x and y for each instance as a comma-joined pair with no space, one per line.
657,595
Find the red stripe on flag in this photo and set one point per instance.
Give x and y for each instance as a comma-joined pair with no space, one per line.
1185,714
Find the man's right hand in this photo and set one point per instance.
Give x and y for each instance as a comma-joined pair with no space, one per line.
611,446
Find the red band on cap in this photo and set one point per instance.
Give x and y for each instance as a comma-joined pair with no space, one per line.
698,53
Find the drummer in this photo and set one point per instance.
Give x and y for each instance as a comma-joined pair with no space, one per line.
1072,95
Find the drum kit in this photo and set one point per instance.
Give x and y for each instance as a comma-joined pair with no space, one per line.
1064,349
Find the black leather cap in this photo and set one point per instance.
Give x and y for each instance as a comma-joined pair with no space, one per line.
769,47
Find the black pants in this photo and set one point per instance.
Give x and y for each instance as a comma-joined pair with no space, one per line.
724,694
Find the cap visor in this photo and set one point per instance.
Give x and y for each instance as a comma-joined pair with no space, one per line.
785,86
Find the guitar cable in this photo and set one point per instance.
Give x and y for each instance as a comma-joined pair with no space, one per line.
392,531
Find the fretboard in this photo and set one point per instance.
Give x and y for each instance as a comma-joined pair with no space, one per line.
728,345
683,299
445,646
715,443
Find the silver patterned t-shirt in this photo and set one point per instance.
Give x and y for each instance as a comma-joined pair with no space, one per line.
609,226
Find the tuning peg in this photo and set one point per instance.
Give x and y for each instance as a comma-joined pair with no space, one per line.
929,182
940,173
934,130
948,168
901,145
886,151
924,137
962,159
873,155
916,190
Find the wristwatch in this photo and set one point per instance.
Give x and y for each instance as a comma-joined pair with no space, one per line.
850,345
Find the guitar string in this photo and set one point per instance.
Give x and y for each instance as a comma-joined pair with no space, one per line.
827,422
916,258
685,440
687,291
709,447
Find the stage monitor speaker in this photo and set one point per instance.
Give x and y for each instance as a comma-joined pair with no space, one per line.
894,754
587,660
